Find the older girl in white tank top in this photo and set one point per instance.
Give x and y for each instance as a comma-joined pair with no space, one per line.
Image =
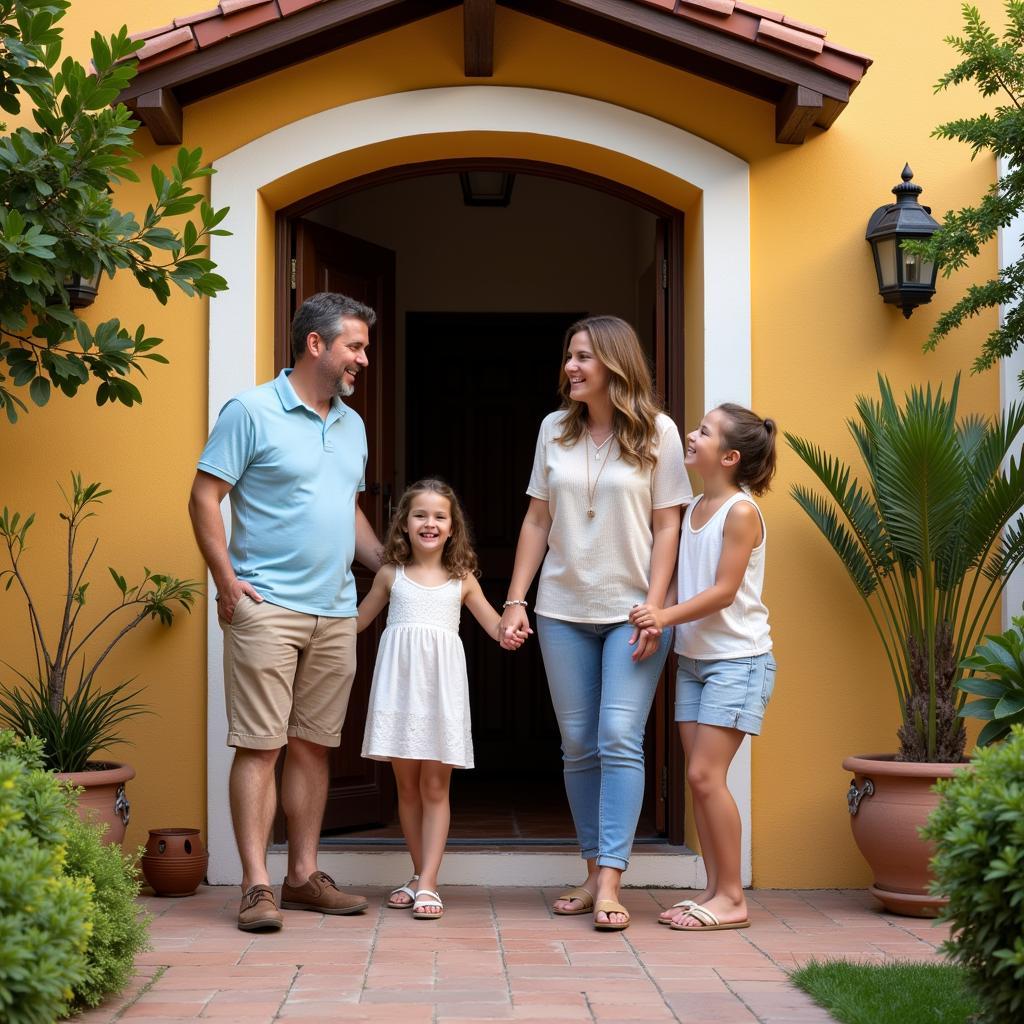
726,669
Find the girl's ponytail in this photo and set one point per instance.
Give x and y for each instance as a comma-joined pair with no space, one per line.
754,438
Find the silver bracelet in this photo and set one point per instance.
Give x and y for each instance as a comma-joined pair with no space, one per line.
510,604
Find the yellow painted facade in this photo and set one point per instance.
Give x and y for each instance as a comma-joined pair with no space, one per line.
819,336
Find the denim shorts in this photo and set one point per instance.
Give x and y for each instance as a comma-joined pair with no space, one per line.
732,693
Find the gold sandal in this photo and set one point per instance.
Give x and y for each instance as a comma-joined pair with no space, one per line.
610,907
584,896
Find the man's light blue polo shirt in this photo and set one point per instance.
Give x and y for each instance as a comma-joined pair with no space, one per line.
294,481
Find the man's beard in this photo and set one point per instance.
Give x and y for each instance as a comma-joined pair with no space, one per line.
345,390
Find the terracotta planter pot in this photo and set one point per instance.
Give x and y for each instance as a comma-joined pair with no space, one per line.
175,861
104,798
889,801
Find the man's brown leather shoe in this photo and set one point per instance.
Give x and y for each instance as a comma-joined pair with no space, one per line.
321,895
258,911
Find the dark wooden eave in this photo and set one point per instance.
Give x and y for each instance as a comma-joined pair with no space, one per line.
478,37
758,52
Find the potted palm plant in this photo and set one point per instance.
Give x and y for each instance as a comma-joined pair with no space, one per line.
60,698
929,541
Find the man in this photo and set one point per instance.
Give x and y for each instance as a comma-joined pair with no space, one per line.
291,457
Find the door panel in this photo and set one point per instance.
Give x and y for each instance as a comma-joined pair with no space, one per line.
361,793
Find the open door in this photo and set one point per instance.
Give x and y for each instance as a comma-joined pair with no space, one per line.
360,793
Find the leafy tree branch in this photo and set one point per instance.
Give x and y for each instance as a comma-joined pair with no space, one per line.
58,220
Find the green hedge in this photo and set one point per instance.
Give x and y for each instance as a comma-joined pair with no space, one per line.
44,912
69,923
978,829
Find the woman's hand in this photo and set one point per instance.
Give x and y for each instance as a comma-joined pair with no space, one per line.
647,642
515,623
647,616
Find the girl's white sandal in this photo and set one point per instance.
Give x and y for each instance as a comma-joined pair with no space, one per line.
421,902
683,904
407,889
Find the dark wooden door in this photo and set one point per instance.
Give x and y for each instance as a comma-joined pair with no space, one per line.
361,793
475,424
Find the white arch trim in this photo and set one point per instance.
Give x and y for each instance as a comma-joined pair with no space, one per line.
722,178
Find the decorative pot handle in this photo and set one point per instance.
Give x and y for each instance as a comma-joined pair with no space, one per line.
121,806
855,795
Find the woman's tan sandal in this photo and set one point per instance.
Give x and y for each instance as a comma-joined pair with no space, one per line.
408,891
426,898
708,922
610,907
681,905
585,898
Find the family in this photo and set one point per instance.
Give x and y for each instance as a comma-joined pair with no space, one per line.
630,563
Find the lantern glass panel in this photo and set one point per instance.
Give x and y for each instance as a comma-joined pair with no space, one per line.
915,269
886,249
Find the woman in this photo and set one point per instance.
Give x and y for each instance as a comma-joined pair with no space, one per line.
605,494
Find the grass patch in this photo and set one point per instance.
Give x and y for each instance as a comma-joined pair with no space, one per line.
898,993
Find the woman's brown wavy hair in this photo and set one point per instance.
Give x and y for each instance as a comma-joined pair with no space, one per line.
458,556
630,389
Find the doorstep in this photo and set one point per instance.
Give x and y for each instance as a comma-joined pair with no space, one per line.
652,865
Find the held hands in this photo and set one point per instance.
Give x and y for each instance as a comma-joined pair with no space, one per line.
647,616
513,628
228,597
649,622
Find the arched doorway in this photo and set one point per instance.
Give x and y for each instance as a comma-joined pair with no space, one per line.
305,157
474,295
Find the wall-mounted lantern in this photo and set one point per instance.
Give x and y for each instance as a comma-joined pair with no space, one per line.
904,279
487,188
81,289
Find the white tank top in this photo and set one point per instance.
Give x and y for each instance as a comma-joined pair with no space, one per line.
741,630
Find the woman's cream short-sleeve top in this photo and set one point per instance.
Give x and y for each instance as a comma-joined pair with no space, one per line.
597,568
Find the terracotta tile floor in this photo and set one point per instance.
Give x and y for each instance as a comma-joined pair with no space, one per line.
499,954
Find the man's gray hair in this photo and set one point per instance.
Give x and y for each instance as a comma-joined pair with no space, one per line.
322,314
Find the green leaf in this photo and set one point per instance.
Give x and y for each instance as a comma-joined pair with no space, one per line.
39,389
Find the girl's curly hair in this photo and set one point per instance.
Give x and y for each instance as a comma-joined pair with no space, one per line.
458,556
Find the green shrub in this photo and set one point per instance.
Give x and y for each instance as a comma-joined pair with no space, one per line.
44,913
119,929
1000,692
978,829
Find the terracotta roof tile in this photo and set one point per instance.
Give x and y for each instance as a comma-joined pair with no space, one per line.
233,23
291,6
149,33
234,6
776,33
191,19
722,7
759,12
167,40
803,26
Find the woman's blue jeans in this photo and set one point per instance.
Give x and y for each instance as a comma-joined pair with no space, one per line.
602,699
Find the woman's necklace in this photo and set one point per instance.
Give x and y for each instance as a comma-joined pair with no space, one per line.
598,447
591,491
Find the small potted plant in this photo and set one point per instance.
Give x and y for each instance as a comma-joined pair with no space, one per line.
76,720
929,542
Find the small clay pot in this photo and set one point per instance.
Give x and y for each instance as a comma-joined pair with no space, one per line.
175,861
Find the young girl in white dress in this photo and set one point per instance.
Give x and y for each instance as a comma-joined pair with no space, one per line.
418,714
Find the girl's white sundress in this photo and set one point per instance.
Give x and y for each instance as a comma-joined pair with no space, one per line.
419,700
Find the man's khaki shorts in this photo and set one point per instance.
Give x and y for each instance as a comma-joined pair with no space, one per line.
286,674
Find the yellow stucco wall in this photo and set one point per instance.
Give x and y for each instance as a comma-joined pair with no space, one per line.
820,333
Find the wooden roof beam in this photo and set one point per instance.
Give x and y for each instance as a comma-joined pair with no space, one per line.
798,109
160,112
478,37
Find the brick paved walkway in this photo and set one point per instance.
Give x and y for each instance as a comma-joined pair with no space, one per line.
499,954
